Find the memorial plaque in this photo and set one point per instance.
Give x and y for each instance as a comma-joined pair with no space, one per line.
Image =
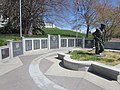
17,45
112,45
5,53
70,42
36,44
54,42
17,48
44,44
63,42
89,43
28,45
79,42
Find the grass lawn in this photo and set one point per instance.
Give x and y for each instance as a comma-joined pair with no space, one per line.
111,58
51,31
63,33
4,38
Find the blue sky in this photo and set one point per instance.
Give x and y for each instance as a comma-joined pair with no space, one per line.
66,24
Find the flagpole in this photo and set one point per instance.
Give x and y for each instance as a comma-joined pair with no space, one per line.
20,20
77,21
76,24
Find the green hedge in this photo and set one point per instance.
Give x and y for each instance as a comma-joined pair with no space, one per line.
64,33
51,31
2,42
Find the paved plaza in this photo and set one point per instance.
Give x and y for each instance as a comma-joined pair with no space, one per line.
41,70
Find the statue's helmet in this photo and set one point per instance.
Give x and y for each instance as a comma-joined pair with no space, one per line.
102,25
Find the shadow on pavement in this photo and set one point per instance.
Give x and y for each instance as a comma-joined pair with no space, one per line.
62,65
105,77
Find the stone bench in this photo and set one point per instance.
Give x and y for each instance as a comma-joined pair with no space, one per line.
105,71
91,66
61,55
72,64
76,65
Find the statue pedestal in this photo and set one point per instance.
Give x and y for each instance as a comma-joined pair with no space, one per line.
100,55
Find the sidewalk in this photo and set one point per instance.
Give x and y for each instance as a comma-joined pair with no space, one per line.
9,65
94,82
40,70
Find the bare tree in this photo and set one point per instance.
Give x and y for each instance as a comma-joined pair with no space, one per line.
34,13
87,13
110,16
94,12
10,10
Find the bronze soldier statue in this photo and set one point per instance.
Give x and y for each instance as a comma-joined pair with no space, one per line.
99,37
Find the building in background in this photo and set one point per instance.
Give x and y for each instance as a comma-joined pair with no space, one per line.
49,25
2,21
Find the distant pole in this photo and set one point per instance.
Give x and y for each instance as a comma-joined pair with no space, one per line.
20,20
77,9
76,24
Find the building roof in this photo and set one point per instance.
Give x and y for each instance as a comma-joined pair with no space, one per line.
115,40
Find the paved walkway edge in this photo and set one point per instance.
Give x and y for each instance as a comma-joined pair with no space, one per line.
9,65
39,78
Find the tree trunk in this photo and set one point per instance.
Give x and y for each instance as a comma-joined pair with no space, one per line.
25,31
30,30
88,28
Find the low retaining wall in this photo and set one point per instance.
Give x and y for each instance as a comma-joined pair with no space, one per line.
76,65
89,43
72,64
94,67
112,45
105,71
61,56
4,52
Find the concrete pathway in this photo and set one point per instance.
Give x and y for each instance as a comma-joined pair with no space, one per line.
58,74
9,65
19,78
41,70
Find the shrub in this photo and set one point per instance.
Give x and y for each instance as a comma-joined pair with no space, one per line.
2,42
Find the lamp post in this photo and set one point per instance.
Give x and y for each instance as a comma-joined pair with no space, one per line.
77,24
20,20
77,10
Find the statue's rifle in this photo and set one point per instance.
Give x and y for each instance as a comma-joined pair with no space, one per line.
98,38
